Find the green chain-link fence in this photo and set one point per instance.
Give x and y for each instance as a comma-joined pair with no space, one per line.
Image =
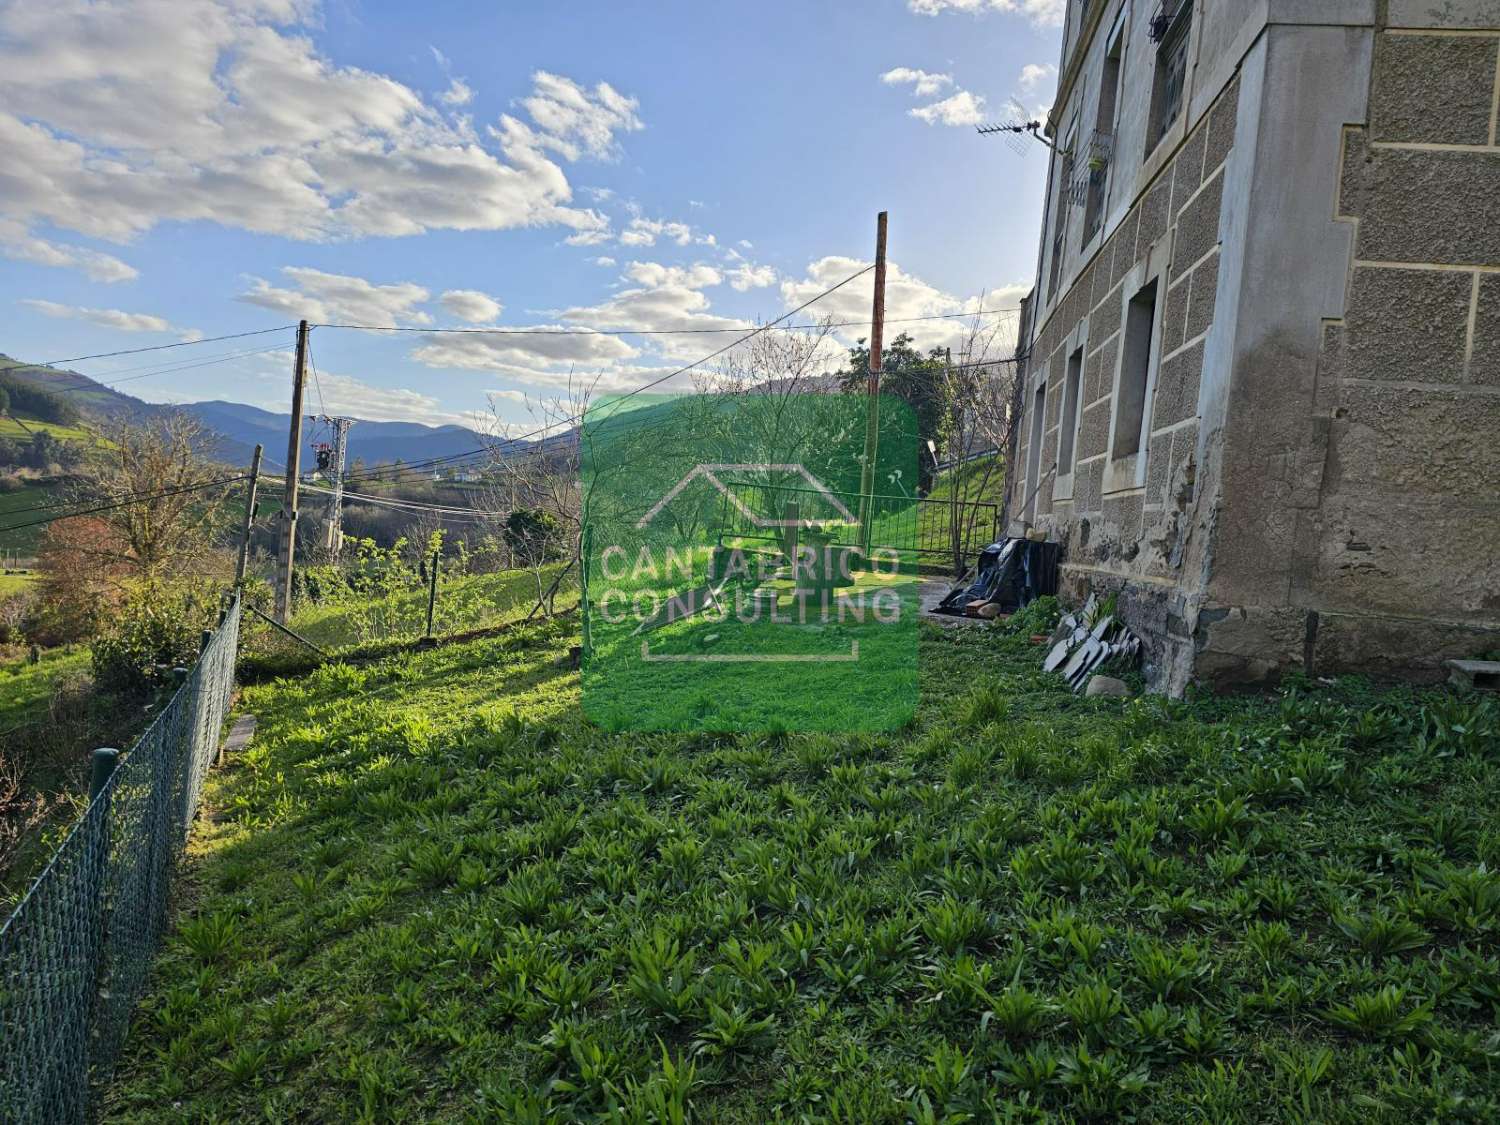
75,954
949,532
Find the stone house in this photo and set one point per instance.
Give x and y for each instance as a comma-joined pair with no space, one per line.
1262,357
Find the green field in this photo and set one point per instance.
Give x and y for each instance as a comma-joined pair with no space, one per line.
430,891
17,583
24,428
970,481
463,604
26,688
25,506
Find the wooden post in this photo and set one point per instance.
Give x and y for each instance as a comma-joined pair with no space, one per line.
432,580
293,473
239,568
872,391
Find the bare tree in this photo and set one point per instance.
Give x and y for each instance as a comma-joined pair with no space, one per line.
155,487
543,475
981,383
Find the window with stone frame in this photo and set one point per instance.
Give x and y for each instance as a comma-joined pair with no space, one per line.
1072,389
1102,145
1063,206
1135,373
1169,28
1034,452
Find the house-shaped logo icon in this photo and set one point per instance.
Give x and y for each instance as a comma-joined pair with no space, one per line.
708,472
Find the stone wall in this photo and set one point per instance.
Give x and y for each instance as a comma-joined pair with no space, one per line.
1321,485
1401,557
1136,528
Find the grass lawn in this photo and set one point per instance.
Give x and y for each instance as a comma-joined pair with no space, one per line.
430,891
26,688
17,583
51,745
982,479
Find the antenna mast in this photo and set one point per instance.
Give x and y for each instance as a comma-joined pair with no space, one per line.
335,467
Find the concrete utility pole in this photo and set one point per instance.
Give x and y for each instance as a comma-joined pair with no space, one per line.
239,567
293,475
872,391
335,529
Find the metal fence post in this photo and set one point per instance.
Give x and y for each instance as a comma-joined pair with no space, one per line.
72,966
106,758
432,589
96,872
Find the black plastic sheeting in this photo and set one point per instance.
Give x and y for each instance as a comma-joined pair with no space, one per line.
1011,573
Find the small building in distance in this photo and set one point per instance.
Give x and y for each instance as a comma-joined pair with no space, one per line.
1262,357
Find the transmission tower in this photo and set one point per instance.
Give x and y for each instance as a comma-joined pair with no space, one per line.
331,461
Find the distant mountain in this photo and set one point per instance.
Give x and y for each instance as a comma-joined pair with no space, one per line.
243,426
239,426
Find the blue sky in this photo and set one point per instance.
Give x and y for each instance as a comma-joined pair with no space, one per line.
203,167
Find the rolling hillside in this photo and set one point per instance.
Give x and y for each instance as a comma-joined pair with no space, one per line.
241,426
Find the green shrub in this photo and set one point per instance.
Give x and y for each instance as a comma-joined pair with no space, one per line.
1040,616
534,536
154,633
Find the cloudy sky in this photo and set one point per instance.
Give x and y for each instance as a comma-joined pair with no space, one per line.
177,169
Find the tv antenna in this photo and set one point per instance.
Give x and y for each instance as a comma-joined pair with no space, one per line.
1016,129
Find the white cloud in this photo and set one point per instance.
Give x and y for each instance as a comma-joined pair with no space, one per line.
574,121
458,93
906,297
1044,13
750,276
545,346
344,394
105,318
924,84
339,298
655,275
19,245
962,108
471,305
1034,74
509,395
664,308
645,232
603,260
118,117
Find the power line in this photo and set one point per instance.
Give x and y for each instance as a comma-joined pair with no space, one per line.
397,501
138,499
317,386
164,347
565,331
683,370
170,370
92,384
467,515
406,472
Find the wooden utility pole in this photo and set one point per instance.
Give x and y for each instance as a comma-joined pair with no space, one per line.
239,567
293,473
872,391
